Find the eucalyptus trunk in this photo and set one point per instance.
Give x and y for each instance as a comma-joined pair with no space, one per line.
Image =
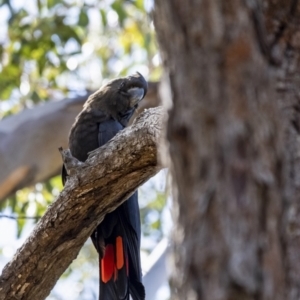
233,131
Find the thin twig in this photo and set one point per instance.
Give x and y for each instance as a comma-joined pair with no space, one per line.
19,217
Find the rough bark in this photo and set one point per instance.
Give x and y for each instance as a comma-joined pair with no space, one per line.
108,177
283,35
29,140
234,134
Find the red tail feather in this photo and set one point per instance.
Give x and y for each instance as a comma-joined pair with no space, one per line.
108,263
119,252
113,260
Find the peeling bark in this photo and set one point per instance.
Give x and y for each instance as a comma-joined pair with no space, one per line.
99,185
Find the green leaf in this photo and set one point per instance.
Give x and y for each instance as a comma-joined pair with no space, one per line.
118,7
103,17
140,4
20,226
83,18
52,3
39,4
35,97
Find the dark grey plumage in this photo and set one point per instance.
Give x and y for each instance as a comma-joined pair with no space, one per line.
117,100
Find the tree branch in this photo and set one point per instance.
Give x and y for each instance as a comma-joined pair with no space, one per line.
108,177
38,132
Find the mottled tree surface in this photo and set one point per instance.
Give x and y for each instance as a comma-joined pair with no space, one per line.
233,129
97,186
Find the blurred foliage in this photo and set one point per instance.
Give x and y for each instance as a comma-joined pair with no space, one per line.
151,214
32,201
50,49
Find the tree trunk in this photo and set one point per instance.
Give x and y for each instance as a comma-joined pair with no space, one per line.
233,131
97,186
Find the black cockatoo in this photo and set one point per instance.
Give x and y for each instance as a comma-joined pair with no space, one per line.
117,238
